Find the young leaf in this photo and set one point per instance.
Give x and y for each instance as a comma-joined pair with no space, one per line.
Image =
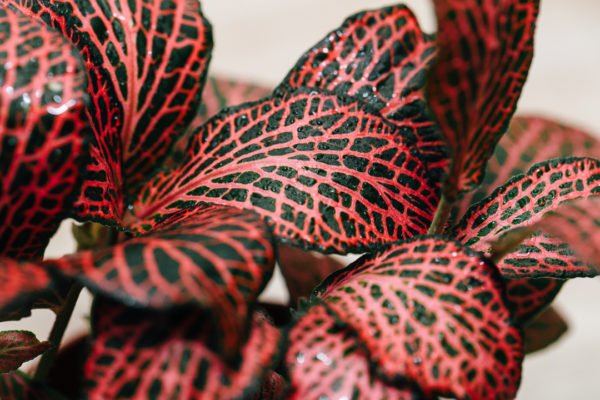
303,270
529,296
325,360
485,49
273,388
380,57
529,140
521,203
219,259
138,354
146,64
21,283
544,330
433,312
18,386
42,131
325,172
17,347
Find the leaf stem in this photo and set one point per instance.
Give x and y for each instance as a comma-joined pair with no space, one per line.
57,332
441,216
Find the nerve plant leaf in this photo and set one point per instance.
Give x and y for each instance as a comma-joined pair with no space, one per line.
220,259
325,172
273,388
325,360
304,270
146,63
138,354
530,295
17,385
544,330
17,347
485,49
380,57
42,131
530,140
432,312
521,203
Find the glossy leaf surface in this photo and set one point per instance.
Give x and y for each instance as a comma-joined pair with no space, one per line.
325,360
529,296
324,171
42,133
544,330
21,283
137,354
522,202
220,259
380,57
432,312
304,270
17,385
529,140
146,63
17,347
485,49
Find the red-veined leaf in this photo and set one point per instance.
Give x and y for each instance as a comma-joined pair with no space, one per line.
138,354
325,360
17,347
21,283
146,63
273,388
42,133
380,57
219,259
323,170
530,295
544,330
17,385
521,203
529,140
304,270
485,49
432,312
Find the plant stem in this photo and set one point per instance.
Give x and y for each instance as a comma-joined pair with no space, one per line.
57,332
441,216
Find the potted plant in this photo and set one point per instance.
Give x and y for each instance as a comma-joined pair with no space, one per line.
374,142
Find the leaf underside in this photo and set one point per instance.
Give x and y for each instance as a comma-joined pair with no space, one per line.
522,202
42,133
17,347
485,49
544,330
325,360
137,354
220,259
380,57
529,296
321,169
431,312
146,64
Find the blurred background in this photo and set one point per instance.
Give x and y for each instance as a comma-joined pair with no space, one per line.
260,40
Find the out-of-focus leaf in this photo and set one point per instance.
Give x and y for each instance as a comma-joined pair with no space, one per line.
17,385
544,330
530,295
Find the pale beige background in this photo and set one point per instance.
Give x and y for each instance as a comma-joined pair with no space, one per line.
261,39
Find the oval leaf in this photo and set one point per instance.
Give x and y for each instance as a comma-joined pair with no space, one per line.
42,133
146,64
273,388
137,354
530,140
17,347
325,360
530,295
380,57
325,172
485,49
432,312
522,202
219,259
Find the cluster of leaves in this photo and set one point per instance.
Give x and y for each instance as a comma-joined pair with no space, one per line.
377,141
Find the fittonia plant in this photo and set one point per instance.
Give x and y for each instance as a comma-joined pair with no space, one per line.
377,142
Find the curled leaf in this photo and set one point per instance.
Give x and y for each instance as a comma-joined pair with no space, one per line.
544,330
